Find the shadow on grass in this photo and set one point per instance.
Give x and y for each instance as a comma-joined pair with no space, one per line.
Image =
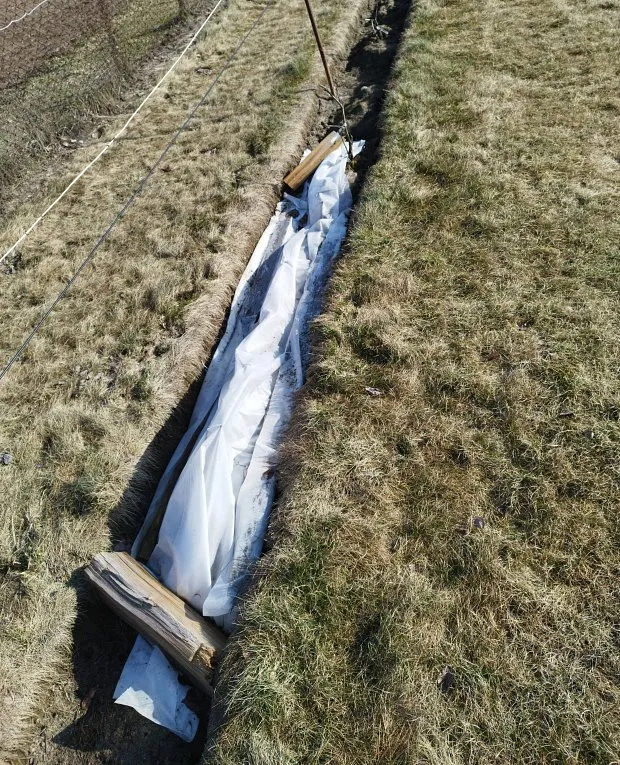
102,642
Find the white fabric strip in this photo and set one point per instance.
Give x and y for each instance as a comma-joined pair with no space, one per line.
217,513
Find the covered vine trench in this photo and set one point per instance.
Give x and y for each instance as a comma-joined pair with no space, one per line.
206,523
121,368
205,527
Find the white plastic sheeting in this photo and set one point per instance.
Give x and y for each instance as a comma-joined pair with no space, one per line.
220,481
150,684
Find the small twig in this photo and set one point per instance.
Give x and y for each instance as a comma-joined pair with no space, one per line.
381,31
311,89
345,125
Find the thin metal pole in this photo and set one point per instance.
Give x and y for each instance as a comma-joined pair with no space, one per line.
319,43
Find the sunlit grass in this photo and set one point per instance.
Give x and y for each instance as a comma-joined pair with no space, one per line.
442,581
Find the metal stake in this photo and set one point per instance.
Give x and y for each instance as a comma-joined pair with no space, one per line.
319,43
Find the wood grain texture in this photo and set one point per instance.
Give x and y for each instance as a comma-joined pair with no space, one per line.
142,601
295,179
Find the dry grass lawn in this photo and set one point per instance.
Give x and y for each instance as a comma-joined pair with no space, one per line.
108,368
444,578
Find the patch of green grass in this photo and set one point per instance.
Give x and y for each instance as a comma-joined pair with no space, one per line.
296,72
79,496
289,80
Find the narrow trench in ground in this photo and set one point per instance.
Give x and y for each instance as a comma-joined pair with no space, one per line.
96,730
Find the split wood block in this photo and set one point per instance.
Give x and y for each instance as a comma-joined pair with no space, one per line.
162,617
295,179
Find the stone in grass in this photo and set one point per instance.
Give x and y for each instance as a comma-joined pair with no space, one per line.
446,679
6,458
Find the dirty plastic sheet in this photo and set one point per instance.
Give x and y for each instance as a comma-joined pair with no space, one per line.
148,677
220,495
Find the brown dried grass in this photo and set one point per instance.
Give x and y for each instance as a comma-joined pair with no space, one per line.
107,370
443,580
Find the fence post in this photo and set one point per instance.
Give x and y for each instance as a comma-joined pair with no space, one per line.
115,51
319,43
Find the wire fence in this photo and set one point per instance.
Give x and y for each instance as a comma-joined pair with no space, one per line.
136,192
60,59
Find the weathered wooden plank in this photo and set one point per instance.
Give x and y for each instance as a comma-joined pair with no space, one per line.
161,616
295,179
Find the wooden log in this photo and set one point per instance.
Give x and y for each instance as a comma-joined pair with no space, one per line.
162,617
295,179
